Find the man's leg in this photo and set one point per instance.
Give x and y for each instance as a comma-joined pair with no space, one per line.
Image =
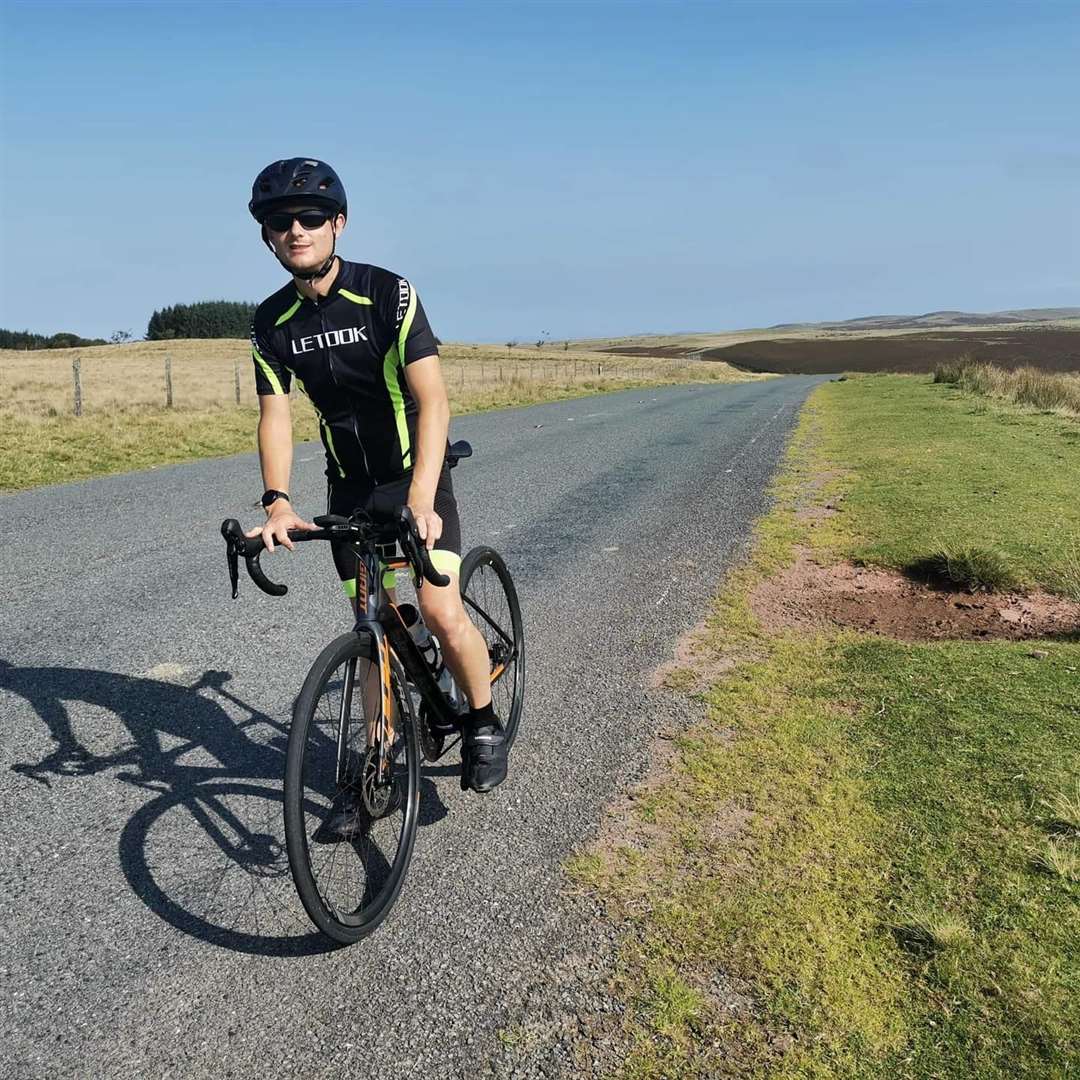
463,647
483,741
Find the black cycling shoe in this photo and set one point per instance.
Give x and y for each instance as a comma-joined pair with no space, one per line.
348,819
483,753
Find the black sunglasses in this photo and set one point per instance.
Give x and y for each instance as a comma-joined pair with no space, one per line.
282,220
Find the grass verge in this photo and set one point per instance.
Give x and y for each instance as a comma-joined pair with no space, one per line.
863,862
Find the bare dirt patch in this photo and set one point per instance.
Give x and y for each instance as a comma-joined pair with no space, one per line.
810,595
696,666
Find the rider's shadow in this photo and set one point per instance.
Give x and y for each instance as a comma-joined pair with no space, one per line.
207,854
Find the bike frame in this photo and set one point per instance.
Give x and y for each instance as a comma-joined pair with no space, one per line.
379,617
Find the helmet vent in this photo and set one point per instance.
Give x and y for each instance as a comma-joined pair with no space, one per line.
299,182
324,183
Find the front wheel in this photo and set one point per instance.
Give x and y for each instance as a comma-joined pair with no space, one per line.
349,832
491,601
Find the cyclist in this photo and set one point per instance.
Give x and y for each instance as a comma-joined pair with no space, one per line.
356,340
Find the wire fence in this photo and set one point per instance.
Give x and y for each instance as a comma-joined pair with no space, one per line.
220,375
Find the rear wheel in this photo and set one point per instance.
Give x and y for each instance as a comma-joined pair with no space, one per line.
491,601
349,832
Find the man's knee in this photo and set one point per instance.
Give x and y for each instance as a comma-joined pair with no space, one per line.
444,612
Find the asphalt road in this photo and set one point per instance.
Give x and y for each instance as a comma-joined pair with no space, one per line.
148,925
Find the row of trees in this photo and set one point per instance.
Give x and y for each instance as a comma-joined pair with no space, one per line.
208,319
23,339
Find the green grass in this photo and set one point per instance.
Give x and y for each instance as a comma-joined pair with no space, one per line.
872,844
931,471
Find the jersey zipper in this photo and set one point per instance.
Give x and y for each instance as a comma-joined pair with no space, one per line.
337,386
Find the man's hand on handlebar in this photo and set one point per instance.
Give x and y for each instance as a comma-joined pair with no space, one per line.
428,524
279,521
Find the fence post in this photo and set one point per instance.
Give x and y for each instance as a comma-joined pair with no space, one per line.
462,374
501,373
481,372
236,378
76,371
168,381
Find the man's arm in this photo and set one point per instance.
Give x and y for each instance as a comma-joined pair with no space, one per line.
433,423
275,458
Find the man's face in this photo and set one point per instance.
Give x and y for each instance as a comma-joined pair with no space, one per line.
304,249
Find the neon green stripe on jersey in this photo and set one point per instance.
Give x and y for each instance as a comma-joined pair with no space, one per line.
286,316
268,371
350,588
330,444
397,399
322,424
356,299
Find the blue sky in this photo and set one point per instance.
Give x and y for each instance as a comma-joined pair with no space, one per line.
581,169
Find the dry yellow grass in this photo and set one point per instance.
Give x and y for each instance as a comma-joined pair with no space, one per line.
1046,391
125,424
204,374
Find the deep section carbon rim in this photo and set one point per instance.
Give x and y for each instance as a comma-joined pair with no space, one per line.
491,602
349,832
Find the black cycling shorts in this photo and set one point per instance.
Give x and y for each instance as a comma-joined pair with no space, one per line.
343,496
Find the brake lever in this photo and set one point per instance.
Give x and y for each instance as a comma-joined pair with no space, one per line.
407,533
423,568
231,530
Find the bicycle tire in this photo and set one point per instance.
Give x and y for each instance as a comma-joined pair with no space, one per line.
368,880
486,585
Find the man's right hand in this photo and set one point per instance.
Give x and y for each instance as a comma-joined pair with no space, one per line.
279,521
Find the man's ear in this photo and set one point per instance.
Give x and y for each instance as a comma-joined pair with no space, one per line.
339,224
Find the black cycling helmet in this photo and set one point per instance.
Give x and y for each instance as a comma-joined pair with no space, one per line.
297,180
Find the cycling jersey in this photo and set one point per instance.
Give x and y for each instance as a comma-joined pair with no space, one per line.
347,352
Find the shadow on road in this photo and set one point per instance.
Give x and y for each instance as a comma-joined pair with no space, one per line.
207,852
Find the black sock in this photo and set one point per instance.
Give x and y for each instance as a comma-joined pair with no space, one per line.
482,716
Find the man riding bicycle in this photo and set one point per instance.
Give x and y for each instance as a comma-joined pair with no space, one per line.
356,340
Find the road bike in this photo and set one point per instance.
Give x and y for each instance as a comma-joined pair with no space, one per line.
371,707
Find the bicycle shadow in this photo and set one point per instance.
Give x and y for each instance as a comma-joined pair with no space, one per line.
206,854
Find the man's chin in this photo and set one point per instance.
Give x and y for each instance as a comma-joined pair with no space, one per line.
299,266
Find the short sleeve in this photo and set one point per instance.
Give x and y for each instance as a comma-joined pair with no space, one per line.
415,338
271,375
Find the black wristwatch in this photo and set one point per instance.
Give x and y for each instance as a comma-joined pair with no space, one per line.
272,496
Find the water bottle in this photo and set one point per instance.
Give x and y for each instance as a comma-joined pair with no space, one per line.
428,645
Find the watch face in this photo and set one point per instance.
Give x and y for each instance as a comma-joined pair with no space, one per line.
272,496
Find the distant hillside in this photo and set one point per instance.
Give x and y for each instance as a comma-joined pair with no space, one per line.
936,320
1049,349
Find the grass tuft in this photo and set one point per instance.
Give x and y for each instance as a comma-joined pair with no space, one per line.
966,567
1065,573
928,934
673,1004
1065,812
1046,391
1060,859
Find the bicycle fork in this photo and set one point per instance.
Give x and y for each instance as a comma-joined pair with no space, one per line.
377,708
